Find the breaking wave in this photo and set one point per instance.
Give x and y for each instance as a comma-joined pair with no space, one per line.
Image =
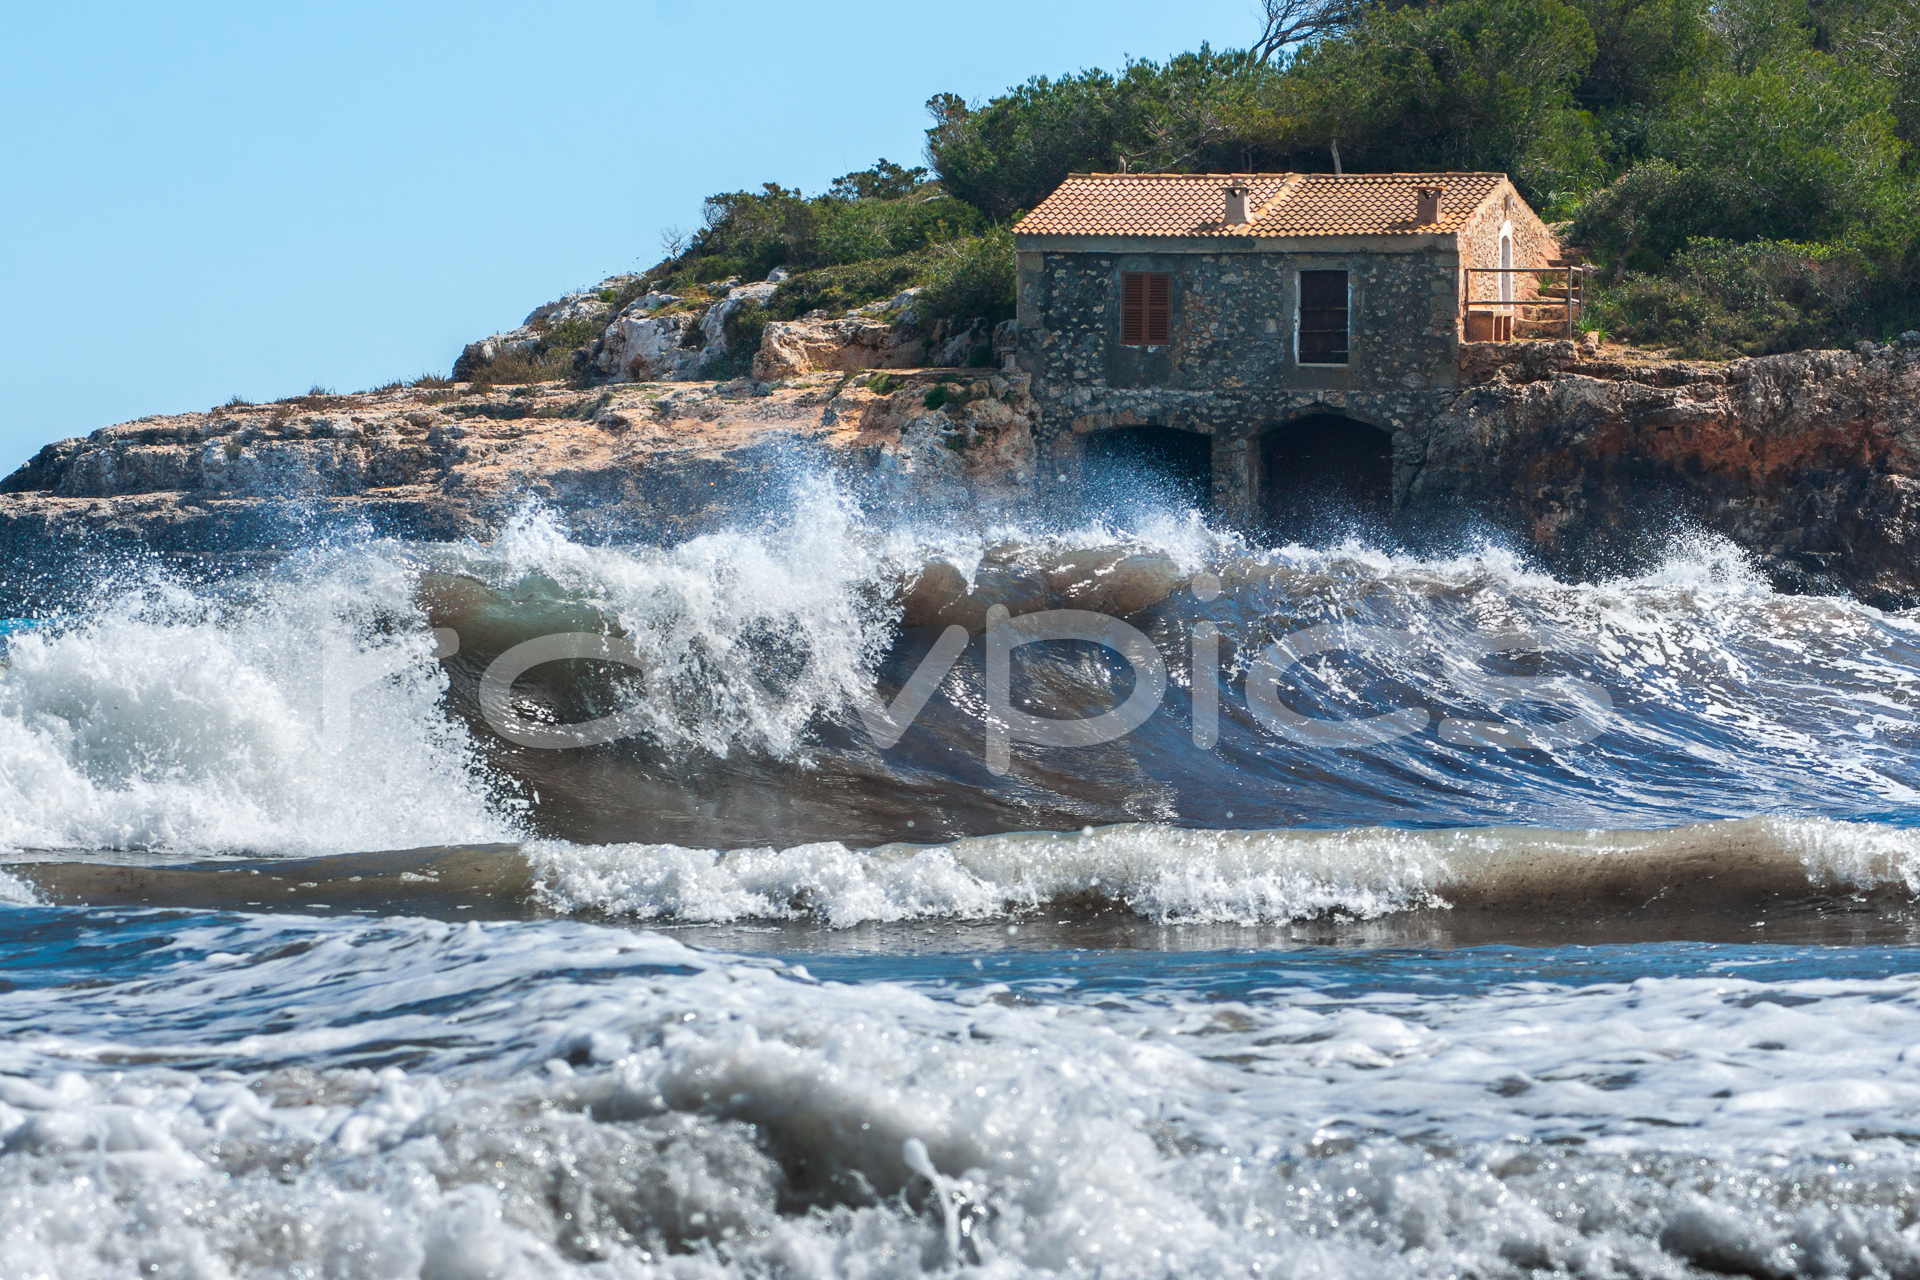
193,1086
286,718
1175,875
304,711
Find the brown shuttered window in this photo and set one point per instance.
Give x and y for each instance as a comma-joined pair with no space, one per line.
1323,317
1146,308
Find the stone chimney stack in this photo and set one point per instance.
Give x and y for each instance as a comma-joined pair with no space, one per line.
1237,214
1426,208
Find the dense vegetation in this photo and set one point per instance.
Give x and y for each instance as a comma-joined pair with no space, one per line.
1745,173
871,236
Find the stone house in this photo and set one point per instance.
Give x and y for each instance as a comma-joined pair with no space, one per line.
1268,339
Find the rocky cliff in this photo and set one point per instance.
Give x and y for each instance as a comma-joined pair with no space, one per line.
617,333
1809,461
636,460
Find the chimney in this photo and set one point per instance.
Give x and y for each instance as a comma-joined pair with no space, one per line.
1237,215
1426,208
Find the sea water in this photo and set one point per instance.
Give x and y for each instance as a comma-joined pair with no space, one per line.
309,972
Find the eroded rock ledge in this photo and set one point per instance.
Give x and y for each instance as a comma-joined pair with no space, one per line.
633,461
1809,461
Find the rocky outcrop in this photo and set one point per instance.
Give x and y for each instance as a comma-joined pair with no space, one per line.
648,342
1809,461
792,347
641,347
663,337
646,461
569,309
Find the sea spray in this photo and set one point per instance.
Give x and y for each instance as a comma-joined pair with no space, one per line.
288,720
303,710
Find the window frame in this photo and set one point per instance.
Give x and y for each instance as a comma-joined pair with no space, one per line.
1143,308
1300,329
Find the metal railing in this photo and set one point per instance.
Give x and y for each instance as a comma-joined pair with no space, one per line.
1571,291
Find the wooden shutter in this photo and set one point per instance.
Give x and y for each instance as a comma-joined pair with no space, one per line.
1159,309
1323,317
1146,308
1133,308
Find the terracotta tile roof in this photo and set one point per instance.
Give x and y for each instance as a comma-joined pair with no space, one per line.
1282,204
1143,204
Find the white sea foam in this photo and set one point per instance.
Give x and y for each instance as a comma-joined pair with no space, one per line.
581,1101
745,636
1163,873
197,722
1176,875
282,724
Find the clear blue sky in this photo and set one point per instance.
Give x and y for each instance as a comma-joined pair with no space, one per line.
205,200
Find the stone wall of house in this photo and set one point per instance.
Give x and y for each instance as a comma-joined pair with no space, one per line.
1533,244
1230,370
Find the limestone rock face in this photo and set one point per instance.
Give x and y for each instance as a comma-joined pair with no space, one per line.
978,443
585,305
646,461
955,346
655,338
642,347
713,324
792,347
1808,461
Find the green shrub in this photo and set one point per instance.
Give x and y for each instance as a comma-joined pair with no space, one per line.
749,233
550,360
742,332
884,181
1718,299
1646,215
719,267
1195,111
1472,84
842,288
973,279
744,327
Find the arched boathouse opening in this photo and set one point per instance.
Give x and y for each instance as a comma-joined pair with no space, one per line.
1325,475
1158,464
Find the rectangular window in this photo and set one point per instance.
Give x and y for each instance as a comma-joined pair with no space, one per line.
1323,317
1146,308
